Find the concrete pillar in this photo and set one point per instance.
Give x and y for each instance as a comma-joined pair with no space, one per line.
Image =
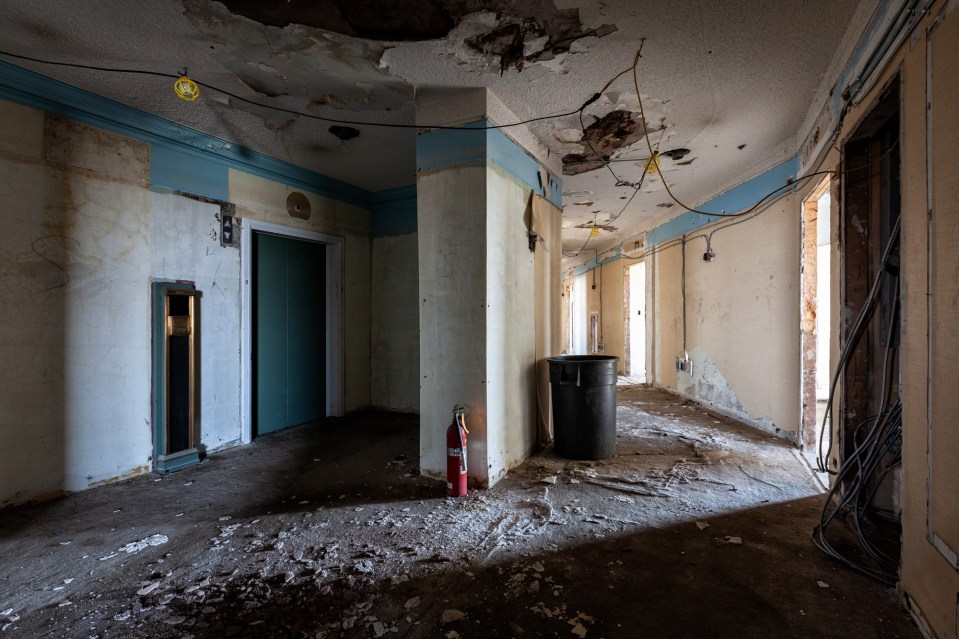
477,328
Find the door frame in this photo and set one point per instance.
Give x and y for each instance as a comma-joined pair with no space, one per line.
334,315
809,300
630,320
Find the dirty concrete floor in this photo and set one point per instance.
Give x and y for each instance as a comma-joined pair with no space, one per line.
328,531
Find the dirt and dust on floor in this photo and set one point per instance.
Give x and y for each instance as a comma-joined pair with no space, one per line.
698,527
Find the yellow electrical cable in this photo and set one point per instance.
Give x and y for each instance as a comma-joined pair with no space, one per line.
652,156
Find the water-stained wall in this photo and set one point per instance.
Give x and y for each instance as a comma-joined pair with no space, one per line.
742,319
84,237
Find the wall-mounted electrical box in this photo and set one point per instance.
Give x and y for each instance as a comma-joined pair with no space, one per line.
175,340
684,364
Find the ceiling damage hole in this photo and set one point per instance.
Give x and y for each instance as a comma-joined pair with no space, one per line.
590,225
676,154
505,42
741,147
400,20
664,205
344,132
539,26
613,131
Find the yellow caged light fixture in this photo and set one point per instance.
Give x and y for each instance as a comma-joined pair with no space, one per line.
652,164
186,88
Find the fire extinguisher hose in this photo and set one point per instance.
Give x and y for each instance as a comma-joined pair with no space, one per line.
462,435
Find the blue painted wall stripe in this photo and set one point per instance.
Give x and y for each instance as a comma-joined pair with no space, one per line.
504,152
445,148
394,211
173,170
735,199
588,266
40,92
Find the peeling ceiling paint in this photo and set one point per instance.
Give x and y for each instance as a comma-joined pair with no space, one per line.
398,20
729,82
322,67
613,131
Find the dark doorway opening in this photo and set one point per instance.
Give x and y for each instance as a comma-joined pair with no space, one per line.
870,213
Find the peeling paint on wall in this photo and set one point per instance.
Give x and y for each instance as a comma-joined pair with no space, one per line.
707,385
108,156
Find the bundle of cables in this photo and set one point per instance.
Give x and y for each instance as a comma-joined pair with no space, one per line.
877,451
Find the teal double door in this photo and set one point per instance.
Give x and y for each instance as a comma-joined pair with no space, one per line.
289,332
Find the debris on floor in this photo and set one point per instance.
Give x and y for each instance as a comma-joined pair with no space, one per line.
360,545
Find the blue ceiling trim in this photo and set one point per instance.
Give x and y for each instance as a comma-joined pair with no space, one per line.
594,263
444,148
40,92
734,200
506,153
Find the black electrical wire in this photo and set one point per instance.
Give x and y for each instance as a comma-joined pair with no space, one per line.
609,160
852,341
861,477
756,212
384,125
638,186
875,454
592,148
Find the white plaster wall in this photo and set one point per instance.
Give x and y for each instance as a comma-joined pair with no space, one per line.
356,300
184,236
510,325
83,240
31,320
107,347
667,322
742,319
451,218
395,323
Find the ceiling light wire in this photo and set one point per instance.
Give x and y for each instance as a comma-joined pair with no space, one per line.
385,125
652,154
604,160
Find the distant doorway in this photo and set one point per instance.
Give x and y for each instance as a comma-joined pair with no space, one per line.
636,322
578,316
815,342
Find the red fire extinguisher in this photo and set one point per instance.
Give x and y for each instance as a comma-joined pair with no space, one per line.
456,454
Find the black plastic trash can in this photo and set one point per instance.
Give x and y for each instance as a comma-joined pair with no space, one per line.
583,388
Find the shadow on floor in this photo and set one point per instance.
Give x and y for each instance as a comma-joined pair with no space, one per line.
328,531
678,581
